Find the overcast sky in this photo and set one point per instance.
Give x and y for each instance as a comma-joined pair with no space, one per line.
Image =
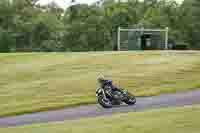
65,3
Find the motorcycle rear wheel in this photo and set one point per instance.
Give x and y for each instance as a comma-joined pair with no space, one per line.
105,103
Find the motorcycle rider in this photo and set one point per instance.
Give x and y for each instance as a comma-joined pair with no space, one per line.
103,82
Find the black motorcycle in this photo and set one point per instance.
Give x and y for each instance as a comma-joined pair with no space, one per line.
108,95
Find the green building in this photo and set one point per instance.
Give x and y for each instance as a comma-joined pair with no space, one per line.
142,39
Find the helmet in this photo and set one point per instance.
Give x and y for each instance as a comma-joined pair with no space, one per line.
101,78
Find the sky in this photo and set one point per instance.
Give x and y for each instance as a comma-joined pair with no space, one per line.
66,3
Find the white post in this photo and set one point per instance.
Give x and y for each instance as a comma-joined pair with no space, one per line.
142,30
166,38
118,39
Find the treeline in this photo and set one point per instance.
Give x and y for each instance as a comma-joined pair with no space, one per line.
26,26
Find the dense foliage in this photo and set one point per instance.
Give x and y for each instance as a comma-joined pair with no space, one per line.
26,26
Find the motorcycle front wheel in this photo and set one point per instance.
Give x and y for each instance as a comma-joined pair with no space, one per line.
130,100
106,103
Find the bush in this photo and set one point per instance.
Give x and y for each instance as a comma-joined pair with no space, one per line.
181,46
6,41
51,46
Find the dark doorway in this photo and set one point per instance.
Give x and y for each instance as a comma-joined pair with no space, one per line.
144,39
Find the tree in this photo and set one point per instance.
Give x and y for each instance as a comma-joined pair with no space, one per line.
27,26
87,31
192,18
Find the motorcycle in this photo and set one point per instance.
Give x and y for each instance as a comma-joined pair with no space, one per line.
108,95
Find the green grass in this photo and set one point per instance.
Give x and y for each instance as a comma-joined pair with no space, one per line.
172,120
31,82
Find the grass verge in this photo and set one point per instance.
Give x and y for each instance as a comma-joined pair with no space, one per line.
174,120
32,82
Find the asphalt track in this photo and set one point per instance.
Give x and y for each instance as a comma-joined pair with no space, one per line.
162,101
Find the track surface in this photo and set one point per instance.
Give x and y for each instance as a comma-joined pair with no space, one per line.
162,101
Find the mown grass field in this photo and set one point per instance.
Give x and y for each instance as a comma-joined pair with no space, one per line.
31,82
172,120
